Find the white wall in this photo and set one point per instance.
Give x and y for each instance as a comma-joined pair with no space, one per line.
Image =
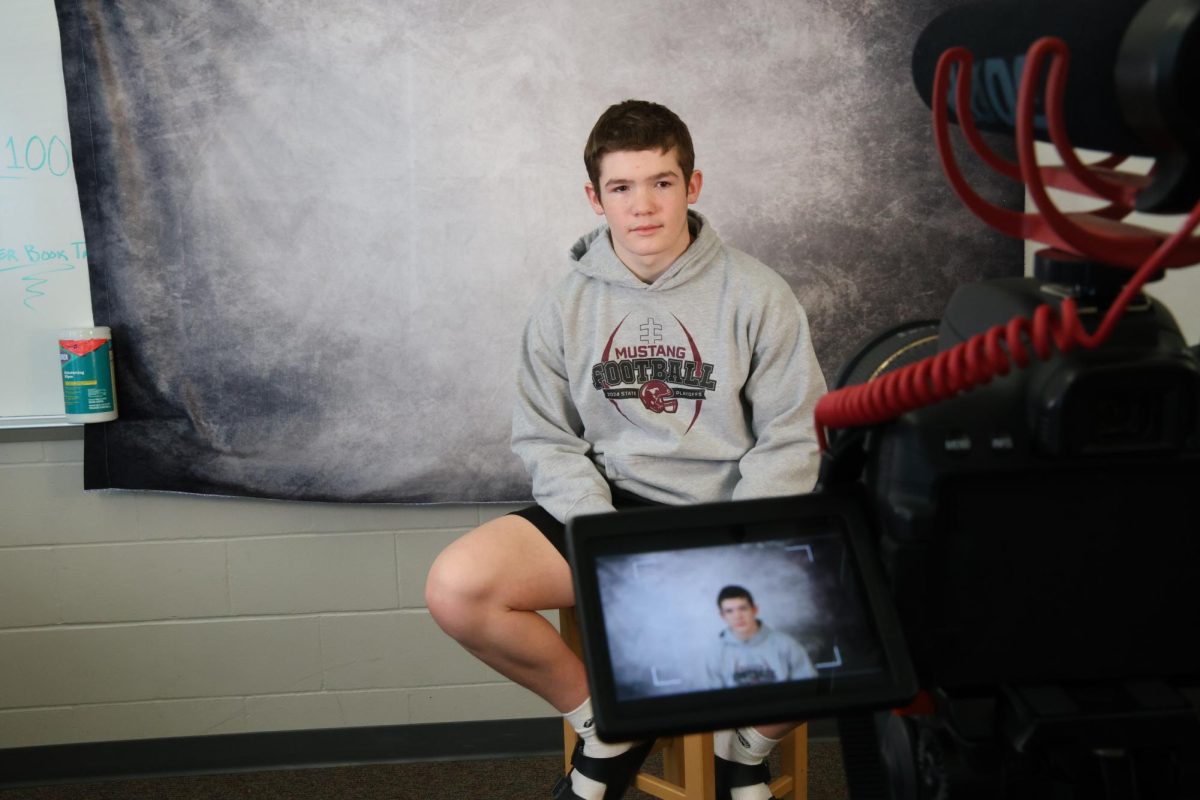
127,615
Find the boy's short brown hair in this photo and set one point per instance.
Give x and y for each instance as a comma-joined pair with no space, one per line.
732,592
638,125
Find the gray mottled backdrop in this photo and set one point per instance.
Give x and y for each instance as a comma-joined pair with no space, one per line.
316,228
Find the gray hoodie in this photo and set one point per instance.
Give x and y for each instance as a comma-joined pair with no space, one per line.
766,657
698,387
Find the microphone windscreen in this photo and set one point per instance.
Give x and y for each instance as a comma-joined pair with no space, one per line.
998,34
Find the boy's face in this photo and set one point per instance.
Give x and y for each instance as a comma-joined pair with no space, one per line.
740,616
645,199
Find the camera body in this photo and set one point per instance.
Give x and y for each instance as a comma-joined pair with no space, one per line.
1040,537
1025,553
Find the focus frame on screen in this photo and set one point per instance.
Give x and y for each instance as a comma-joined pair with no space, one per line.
830,520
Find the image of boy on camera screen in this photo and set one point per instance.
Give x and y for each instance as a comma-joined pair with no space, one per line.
682,647
749,651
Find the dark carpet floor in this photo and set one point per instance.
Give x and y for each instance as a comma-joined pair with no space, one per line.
526,778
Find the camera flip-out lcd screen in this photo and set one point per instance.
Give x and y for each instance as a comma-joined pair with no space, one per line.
707,616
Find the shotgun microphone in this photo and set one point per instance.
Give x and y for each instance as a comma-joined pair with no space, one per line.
1133,86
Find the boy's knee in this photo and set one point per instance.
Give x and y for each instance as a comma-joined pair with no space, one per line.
500,566
440,584
454,590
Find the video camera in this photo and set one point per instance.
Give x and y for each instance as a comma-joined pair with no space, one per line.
1008,515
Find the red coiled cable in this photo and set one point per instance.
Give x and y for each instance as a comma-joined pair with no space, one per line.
983,356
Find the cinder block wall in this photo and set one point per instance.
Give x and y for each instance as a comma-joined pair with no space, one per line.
129,615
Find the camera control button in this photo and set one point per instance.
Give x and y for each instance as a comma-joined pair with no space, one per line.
957,443
1002,442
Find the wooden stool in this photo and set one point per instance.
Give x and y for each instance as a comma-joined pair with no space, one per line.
688,760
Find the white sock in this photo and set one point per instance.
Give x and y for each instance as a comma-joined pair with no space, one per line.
745,746
593,747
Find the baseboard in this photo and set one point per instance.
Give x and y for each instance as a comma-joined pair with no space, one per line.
253,752
256,752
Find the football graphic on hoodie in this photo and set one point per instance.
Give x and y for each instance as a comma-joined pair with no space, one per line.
655,364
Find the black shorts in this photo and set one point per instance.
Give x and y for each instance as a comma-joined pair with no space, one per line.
556,532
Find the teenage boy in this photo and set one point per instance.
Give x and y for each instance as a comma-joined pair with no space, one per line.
750,652
665,368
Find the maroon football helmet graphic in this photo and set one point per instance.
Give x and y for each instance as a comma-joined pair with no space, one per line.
658,397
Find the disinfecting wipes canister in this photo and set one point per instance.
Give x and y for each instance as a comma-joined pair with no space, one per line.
87,374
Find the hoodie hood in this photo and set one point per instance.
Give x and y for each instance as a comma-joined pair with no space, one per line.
593,256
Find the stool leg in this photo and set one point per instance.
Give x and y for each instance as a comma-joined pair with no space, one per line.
569,738
698,768
569,630
688,770
793,760
673,759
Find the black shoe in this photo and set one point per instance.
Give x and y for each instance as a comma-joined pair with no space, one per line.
615,773
732,775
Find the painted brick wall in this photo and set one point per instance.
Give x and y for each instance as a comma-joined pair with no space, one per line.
127,615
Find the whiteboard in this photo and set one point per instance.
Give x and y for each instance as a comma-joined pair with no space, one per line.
43,256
